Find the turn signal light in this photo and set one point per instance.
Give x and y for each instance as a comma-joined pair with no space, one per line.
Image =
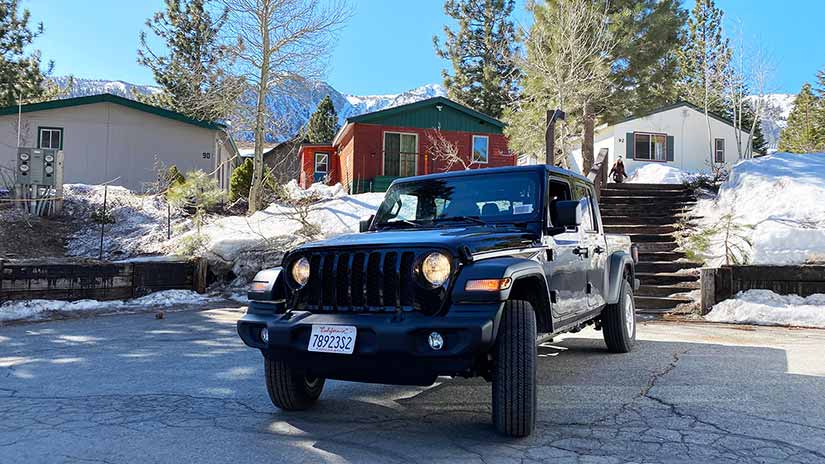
258,286
488,285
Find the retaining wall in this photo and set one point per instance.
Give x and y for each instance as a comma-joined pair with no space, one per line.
726,281
99,280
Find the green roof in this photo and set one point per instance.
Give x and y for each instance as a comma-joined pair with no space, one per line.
425,114
109,98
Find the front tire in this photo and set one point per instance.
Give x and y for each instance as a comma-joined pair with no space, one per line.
514,371
619,322
289,388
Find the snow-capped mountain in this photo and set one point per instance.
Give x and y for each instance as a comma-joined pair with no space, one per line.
291,106
777,109
83,87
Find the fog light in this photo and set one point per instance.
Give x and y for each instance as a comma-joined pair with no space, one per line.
436,341
265,335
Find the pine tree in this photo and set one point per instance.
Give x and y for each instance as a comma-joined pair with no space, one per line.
21,79
758,143
484,76
323,124
192,73
704,58
801,134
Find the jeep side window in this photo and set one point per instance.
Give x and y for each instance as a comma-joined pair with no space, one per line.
556,190
588,221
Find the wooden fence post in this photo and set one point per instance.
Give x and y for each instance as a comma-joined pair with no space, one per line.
707,283
200,268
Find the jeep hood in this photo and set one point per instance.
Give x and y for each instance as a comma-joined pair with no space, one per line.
479,238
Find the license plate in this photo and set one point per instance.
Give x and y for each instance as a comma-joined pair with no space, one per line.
332,339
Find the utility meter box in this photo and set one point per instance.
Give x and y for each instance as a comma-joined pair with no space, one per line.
39,166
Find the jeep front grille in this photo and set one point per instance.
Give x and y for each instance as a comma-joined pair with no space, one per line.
377,281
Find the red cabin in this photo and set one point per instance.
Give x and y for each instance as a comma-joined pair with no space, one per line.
433,135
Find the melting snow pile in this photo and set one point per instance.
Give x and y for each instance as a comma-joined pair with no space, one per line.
655,173
246,244
782,196
317,190
764,307
139,221
43,309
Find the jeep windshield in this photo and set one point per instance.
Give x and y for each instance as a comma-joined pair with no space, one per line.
474,199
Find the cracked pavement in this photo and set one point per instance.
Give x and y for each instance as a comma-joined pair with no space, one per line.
132,388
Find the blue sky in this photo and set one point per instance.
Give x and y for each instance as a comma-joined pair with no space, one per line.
387,45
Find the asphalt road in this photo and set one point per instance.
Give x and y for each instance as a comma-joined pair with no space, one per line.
133,389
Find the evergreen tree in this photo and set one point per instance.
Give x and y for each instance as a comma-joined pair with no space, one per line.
484,76
192,73
644,73
21,78
801,134
323,124
704,59
759,144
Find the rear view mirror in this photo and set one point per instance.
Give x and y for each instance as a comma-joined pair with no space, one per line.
364,225
566,213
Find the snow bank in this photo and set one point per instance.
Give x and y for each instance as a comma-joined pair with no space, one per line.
318,190
246,244
43,309
764,307
656,173
783,197
140,221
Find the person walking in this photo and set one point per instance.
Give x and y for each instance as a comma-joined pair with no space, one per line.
617,172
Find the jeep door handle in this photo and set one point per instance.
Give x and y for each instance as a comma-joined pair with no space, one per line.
581,251
598,250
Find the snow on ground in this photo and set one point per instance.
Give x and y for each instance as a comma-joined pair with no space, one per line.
783,197
764,307
43,309
317,190
140,223
657,173
246,244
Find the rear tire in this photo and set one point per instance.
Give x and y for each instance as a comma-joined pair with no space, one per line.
619,321
514,371
289,388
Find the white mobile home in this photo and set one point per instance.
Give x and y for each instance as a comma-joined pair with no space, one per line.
106,136
676,136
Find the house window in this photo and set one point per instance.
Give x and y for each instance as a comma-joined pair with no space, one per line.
719,150
651,147
322,163
481,145
50,137
400,154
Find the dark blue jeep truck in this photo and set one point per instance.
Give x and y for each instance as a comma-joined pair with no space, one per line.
457,274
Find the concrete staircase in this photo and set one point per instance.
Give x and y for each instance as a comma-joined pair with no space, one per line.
649,214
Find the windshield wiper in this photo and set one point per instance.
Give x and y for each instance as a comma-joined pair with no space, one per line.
474,219
404,222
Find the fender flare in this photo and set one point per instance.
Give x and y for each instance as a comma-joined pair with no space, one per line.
617,264
516,269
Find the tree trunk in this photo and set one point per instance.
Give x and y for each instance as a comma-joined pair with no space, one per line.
588,138
256,188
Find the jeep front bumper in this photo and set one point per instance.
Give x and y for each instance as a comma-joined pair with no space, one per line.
389,348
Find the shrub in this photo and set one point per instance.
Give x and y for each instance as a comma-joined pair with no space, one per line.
241,181
198,194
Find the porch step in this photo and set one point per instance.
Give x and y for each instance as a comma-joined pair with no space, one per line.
660,256
665,290
657,187
657,302
665,266
655,247
664,278
647,238
617,220
610,209
640,229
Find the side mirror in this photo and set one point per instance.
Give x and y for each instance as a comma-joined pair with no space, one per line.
567,213
364,225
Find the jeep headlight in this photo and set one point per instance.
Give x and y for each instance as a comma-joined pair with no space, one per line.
300,271
436,268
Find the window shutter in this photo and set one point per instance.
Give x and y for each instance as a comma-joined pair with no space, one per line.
670,148
629,139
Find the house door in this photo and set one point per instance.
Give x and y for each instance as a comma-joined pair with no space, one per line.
400,154
321,170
